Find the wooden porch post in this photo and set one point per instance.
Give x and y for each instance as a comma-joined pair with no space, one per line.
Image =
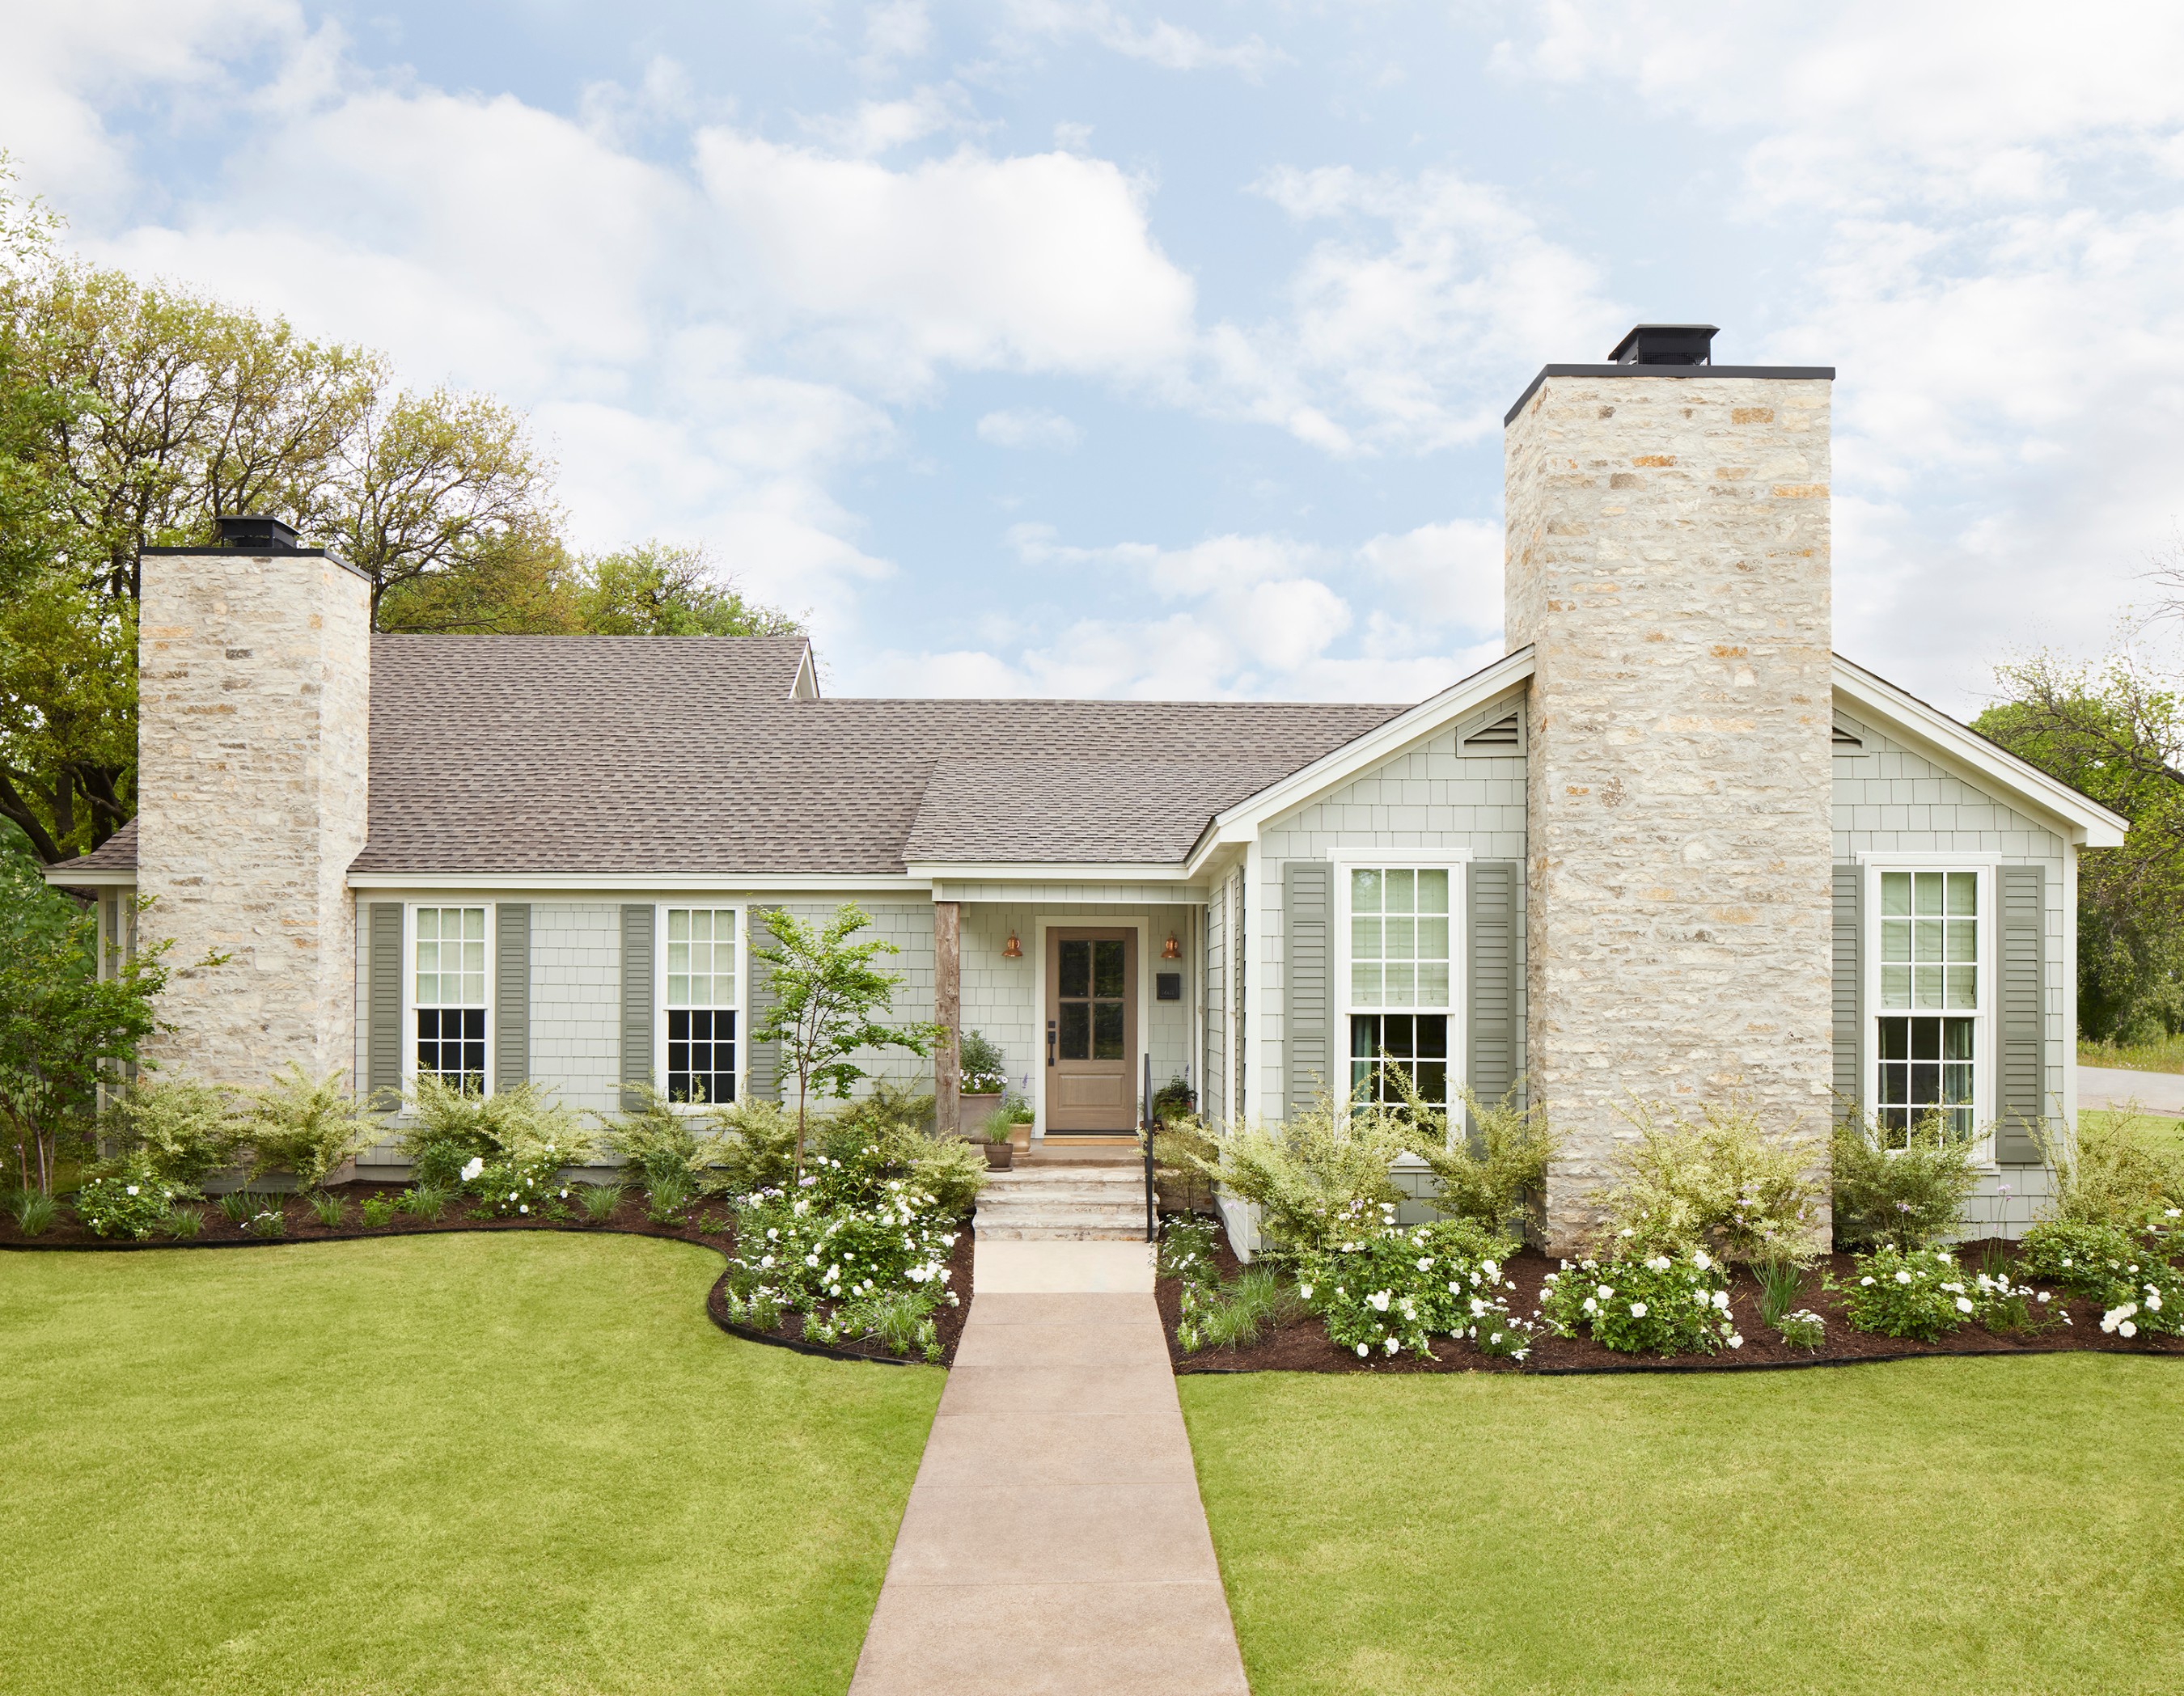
948,1013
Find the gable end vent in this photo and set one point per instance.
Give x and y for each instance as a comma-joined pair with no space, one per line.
1844,741
1503,733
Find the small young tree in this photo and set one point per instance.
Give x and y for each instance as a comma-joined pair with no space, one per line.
63,1029
829,1001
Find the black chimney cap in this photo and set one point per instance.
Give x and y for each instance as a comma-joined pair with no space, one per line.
1666,344
250,534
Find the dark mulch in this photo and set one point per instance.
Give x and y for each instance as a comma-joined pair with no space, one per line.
949,1320
1303,1346
710,1225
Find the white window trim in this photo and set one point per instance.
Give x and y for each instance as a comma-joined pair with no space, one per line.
1871,865
660,996
1459,965
409,986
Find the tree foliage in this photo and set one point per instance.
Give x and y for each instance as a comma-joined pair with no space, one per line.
132,414
830,1003
2114,731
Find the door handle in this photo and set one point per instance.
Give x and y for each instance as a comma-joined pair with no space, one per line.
1050,1042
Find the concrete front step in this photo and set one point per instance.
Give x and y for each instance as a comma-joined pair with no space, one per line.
1068,1204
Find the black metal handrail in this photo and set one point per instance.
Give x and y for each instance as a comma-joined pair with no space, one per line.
1146,1135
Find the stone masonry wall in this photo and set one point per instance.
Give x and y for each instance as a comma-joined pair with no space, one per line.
1667,560
254,700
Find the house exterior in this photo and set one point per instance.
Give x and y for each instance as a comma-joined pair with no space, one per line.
1671,846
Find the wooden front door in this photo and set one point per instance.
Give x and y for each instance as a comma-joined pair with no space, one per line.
1091,1031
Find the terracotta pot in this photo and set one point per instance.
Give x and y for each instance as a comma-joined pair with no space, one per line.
1020,1138
1000,1156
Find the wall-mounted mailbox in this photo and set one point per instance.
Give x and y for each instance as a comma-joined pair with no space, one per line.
1168,986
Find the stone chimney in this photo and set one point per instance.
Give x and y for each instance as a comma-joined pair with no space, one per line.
254,700
1668,562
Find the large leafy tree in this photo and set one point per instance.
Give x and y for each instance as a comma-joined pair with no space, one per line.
132,416
2113,729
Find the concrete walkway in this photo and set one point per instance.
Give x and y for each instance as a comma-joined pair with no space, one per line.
1054,1542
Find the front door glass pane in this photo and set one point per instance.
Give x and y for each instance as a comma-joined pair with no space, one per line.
1107,1030
1076,1029
1108,968
1076,968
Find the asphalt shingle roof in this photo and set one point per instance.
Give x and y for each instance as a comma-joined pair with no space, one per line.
598,755
584,755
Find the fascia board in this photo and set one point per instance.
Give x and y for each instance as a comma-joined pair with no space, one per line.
1241,822
1043,872
60,878
2090,825
643,883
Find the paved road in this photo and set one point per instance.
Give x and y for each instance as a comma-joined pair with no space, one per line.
2108,1087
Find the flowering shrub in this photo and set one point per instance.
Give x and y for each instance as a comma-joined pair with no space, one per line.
1671,1303
126,1201
523,1184
852,1232
1923,1292
2130,1273
1382,1287
1722,1181
1804,1329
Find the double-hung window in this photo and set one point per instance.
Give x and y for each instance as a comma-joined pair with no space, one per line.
1400,980
450,996
1930,1010
701,1005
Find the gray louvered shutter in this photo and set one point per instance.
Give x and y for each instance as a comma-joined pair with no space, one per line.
635,1002
2020,1096
383,1048
1493,980
763,1073
511,989
1849,988
1307,986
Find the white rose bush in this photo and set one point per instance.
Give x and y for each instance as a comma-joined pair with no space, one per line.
1384,1289
1926,1293
1667,1303
857,1246
126,1200
2132,1274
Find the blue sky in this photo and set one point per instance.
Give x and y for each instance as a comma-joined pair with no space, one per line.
1038,347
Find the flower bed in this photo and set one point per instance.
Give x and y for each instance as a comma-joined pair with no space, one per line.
1303,1345
711,1222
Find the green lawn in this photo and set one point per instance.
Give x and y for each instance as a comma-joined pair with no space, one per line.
1937,1527
476,1463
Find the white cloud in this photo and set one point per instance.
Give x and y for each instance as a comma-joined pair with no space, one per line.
1994,279
1405,330
894,30
1029,426
65,67
1034,263
1170,47
1239,616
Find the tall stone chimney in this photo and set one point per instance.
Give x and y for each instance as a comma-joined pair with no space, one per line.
1668,561
254,700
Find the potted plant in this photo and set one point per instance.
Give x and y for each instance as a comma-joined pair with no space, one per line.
984,1075
993,1134
1174,1099
1020,1115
